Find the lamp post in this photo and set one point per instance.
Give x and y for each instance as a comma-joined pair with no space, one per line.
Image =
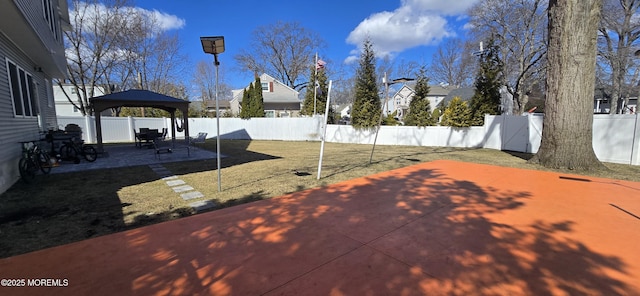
386,105
215,45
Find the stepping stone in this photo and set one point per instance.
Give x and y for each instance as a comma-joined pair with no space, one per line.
182,188
176,182
172,177
191,195
203,205
156,166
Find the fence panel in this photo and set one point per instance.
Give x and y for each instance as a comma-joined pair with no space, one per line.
613,137
616,138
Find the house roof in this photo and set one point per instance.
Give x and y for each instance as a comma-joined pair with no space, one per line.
434,90
465,93
221,104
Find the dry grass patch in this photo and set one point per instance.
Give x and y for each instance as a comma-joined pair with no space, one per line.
64,208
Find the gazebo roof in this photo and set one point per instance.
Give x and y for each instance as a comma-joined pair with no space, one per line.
138,98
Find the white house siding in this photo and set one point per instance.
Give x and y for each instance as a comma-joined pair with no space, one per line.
24,31
65,108
402,98
13,129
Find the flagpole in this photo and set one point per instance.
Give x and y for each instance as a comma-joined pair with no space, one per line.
315,81
324,132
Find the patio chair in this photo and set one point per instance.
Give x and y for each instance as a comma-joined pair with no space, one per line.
163,136
199,139
139,137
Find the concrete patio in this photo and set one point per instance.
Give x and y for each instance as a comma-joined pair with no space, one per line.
124,155
437,228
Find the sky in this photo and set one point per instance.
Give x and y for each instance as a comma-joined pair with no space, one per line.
407,30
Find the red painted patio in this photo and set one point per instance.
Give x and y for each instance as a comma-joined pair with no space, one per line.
438,228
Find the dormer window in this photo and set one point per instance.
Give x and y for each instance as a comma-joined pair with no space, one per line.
267,86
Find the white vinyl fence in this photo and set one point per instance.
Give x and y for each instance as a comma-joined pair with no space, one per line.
616,138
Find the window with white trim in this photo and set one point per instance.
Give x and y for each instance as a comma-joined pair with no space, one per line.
50,17
22,89
265,86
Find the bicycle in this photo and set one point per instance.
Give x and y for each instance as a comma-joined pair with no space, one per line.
33,159
74,148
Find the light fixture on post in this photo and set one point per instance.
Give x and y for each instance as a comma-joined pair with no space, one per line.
215,45
386,83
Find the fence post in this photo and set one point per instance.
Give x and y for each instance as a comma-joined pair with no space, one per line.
635,144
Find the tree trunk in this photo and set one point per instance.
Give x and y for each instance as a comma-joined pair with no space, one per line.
568,122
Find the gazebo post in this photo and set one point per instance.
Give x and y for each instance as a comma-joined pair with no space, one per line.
173,127
185,116
99,131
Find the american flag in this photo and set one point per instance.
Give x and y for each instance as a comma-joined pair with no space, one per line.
320,64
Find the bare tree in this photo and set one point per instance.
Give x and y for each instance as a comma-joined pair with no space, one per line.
284,50
204,80
567,130
96,34
453,63
154,54
112,44
407,69
619,34
518,28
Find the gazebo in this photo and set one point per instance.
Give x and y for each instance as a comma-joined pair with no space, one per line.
140,98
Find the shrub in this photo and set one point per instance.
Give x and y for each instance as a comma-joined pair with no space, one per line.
457,114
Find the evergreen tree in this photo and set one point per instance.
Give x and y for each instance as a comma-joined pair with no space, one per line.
366,108
252,101
245,111
436,116
486,99
391,119
257,100
322,92
457,114
420,108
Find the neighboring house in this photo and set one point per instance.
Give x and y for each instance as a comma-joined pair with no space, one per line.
64,107
32,53
344,110
601,105
402,98
280,100
224,106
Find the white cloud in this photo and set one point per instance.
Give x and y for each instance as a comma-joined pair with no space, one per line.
164,21
414,23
